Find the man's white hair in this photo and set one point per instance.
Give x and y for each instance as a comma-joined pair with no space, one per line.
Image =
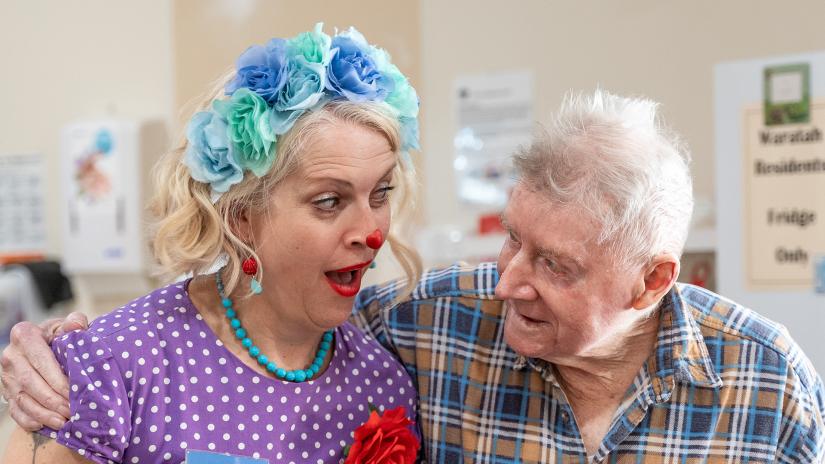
615,159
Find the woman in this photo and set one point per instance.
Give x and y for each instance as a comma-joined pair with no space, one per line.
286,175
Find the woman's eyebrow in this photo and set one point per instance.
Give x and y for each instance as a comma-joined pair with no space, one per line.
334,180
342,182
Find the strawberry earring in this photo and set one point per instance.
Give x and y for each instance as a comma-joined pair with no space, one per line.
250,268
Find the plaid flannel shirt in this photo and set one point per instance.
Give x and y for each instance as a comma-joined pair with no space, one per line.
722,385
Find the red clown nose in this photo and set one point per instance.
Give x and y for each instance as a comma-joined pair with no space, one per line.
375,239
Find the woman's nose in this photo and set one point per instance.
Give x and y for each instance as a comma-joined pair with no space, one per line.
365,230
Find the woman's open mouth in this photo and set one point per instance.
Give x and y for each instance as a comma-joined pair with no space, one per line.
347,281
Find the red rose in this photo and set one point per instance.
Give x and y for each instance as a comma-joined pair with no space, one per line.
384,438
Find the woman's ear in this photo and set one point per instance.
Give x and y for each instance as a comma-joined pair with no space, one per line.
658,279
241,225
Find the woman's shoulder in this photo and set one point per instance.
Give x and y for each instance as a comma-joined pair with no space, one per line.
115,365
111,362
137,333
361,349
150,310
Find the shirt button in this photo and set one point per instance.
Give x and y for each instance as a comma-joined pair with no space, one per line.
565,417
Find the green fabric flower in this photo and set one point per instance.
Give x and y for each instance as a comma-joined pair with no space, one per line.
248,129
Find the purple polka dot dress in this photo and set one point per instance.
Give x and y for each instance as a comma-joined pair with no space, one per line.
151,380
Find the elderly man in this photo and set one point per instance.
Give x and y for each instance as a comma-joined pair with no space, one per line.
577,346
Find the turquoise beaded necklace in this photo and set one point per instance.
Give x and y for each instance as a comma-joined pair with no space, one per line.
298,375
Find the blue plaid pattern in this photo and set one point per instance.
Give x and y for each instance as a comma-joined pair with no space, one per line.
723,384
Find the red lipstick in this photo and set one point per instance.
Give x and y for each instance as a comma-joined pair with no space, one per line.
354,267
347,281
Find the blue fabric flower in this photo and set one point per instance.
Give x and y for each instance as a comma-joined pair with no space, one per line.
262,70
304,89
352,72
209,153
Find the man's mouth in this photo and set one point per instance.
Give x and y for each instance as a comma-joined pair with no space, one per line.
530,319
347,281
523,317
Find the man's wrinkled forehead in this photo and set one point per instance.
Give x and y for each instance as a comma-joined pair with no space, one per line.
551,226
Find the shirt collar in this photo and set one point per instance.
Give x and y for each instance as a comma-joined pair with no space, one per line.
680,353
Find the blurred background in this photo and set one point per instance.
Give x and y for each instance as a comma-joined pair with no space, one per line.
94,91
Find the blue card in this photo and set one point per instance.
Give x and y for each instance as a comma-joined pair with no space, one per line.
206,457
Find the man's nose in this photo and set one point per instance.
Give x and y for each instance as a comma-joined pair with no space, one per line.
515,280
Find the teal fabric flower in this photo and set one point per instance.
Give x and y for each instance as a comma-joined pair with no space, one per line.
403,97
311,47
409,133
248,128
209,153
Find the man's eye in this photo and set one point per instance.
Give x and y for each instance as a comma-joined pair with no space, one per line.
327,204
554,266
512,237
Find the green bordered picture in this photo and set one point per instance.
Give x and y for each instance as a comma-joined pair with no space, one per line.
787,94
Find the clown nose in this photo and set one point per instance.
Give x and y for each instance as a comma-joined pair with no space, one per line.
375,239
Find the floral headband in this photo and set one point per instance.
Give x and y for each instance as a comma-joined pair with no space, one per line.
274,85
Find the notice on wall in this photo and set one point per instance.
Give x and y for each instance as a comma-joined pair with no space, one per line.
101,188
494,116
22,204
784,167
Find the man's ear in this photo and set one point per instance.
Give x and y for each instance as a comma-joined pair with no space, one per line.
659,277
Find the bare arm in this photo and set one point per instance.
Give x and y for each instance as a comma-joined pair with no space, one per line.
25,448
33,383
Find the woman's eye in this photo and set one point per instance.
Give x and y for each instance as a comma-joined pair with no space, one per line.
327,204
382,194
